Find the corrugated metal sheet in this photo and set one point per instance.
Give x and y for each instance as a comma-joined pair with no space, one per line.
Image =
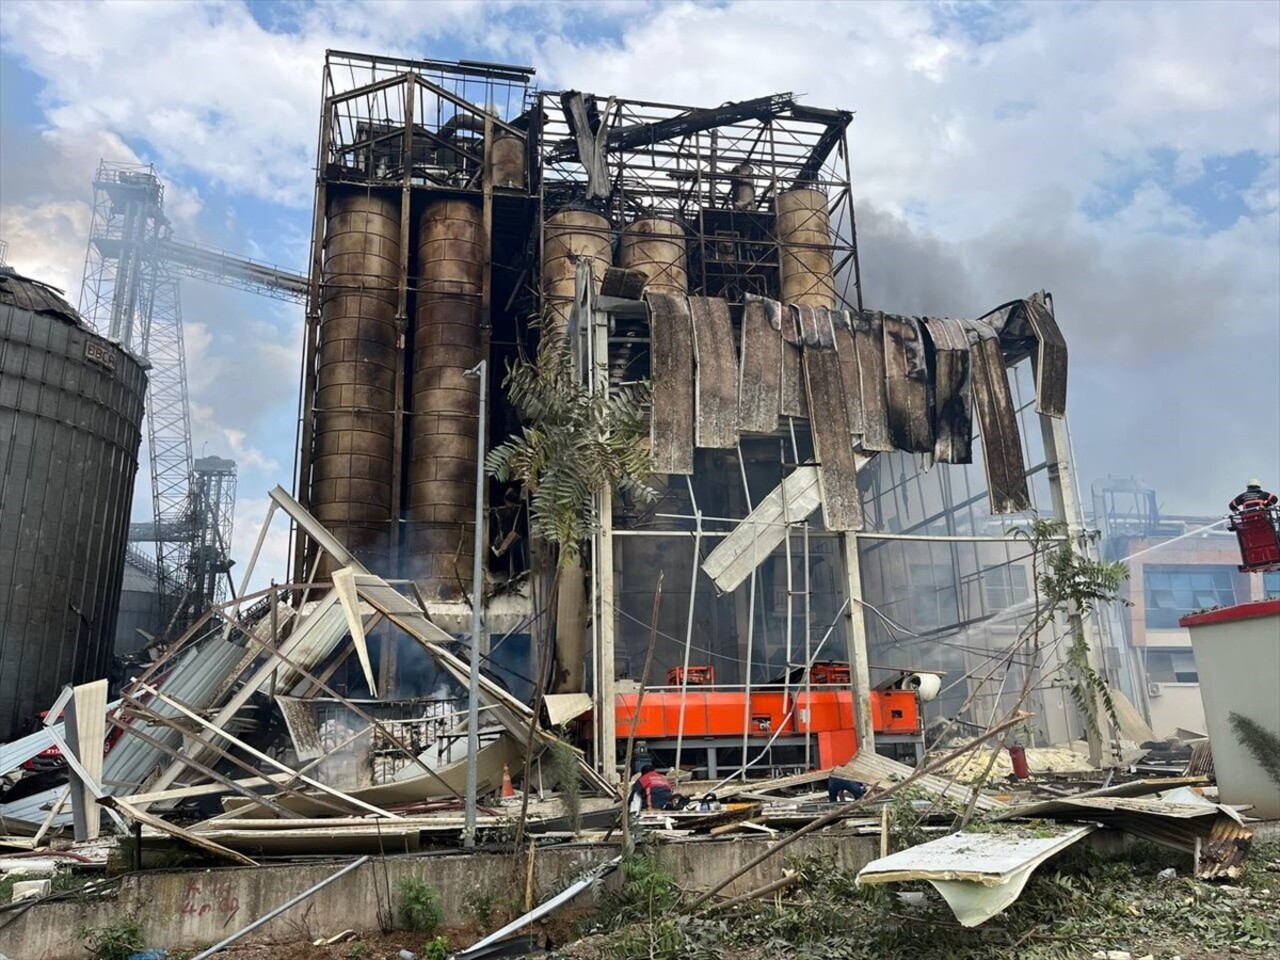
871,768
978,874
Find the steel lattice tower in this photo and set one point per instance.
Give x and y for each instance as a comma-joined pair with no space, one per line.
130,294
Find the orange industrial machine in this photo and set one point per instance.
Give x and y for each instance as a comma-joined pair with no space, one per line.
803,722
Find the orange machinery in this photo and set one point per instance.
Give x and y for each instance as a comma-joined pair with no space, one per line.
822,711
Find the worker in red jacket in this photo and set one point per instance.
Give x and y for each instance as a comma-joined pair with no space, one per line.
652,789
1253,498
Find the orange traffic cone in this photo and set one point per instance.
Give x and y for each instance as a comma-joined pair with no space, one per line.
507,789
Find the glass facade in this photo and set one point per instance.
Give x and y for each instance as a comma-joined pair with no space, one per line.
1172,592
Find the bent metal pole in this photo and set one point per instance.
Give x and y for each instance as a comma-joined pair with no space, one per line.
477,599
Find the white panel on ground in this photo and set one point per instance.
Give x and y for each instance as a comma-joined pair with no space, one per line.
978,874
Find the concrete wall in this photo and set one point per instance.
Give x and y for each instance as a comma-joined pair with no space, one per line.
1176,705
1239,665
192,908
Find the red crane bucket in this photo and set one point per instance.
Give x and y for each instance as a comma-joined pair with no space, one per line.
1259,538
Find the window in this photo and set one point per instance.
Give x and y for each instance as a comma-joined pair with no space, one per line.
1004,586
1171,665
1174,592
1271,585
933,596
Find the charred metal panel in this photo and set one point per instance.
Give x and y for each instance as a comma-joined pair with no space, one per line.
671,373
837,468
71,407
907,385
793,400
1051,360
868,342
850,373
716,374
1001,441
952,391
759,389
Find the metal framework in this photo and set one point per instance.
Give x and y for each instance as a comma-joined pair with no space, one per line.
131,294
718,171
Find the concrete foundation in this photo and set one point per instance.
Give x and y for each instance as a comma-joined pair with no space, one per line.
186,909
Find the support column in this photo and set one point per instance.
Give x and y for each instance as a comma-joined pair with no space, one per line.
605,620
856,626
1062,492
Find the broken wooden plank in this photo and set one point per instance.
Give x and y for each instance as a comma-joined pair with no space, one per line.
1001,440
868,340
764,528
829,424
671,375
952,391
793,402
907,385
715,374
760,369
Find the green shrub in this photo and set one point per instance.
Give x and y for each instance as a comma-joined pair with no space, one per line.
437,949
115,940
419,905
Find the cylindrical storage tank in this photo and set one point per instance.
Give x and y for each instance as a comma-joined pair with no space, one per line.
71,407
508,159
656,247
355,398
568,235
441,503
804,233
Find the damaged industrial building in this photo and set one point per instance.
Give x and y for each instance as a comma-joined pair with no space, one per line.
828,570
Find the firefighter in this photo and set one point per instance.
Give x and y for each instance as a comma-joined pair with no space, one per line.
651,789
1253,498
838,787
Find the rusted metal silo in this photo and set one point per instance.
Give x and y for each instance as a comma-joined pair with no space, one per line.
804,233
441,499
508,159
356,376
656,246
571,234
71,407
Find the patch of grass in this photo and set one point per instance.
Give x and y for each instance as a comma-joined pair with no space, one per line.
115,940
419,905
435,949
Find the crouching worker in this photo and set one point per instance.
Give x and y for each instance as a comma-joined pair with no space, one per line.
651,791
839,788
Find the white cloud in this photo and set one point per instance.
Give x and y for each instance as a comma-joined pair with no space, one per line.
975,149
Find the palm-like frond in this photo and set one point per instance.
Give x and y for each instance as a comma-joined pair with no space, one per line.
574,444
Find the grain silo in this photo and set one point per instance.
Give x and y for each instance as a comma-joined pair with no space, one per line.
804,234
656,247
441,494
569,235
355,403
71,407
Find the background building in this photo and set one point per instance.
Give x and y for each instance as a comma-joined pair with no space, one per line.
1178,565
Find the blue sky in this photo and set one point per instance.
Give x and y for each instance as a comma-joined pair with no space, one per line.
1124,156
